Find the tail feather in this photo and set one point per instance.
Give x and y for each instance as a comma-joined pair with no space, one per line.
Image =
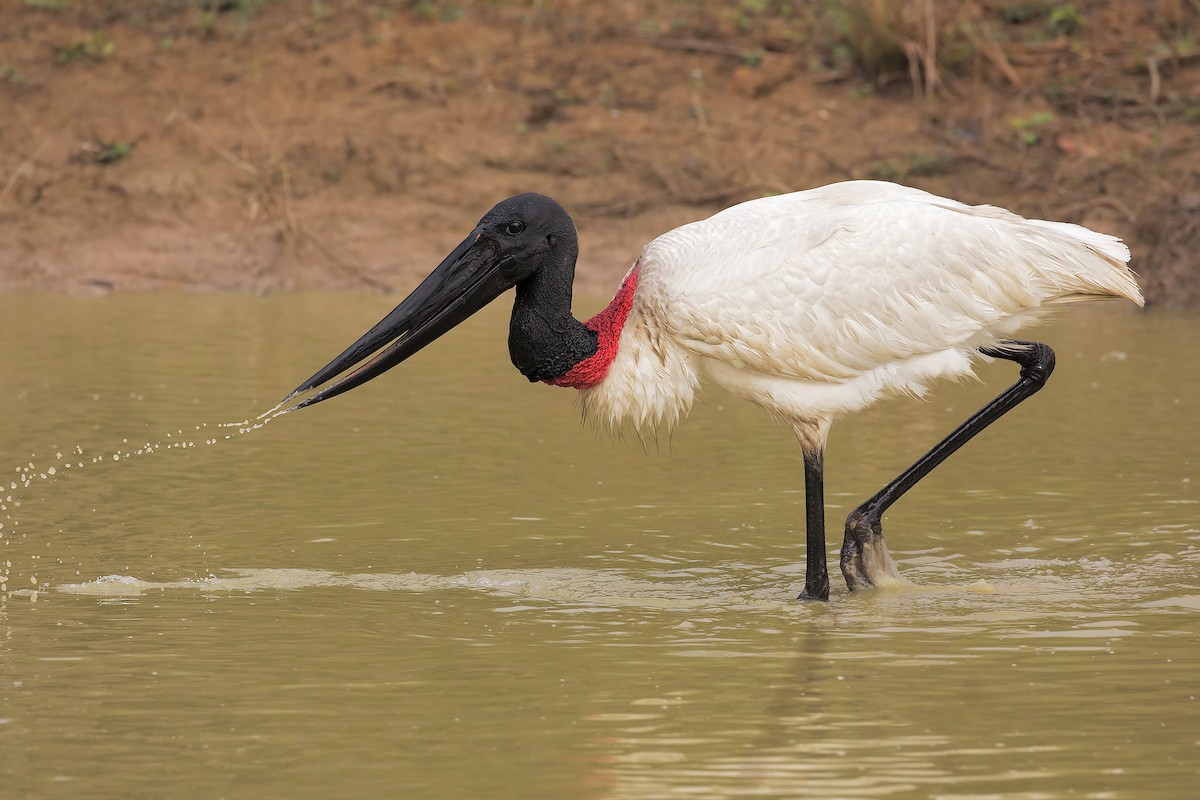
1083,263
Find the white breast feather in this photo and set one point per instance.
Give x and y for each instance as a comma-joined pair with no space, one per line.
651,381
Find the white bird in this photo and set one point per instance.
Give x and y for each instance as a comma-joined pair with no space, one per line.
810,305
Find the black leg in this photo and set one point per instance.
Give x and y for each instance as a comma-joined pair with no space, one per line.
816,574
864,559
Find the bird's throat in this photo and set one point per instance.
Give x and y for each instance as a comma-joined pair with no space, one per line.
548,344
607,325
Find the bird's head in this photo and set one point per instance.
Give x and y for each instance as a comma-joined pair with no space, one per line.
518,238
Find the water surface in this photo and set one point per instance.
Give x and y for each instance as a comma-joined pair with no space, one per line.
442,585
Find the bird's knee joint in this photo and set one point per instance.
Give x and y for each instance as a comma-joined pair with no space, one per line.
1038,364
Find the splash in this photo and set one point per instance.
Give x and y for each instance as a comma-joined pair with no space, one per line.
246,425
565,587
43,470
1036,604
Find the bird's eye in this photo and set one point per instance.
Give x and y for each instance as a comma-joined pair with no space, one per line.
514,227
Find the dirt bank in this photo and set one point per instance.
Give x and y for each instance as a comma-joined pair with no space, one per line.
286,145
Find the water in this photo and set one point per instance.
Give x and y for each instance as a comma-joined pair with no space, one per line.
441,585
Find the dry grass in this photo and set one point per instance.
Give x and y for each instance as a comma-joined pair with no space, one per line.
269,196
925,40
371,113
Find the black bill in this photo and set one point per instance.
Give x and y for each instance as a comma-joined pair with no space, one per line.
468,279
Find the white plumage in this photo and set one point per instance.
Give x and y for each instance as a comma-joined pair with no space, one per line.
817,303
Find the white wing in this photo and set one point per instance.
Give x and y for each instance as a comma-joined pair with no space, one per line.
828,284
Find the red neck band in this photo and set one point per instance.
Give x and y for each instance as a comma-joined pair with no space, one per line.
608,324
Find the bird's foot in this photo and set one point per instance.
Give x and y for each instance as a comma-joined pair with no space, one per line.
865,558
817,589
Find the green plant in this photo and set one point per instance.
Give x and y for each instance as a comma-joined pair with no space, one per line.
886,171
10,74
753,58
1064,20
434,10
1017,13
861,90
917,164
207,24
1029,129
927,164
746,11
112,152
95,47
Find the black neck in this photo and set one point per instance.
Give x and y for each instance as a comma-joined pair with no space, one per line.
544,339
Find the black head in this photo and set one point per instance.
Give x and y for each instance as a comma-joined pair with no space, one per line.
532,229
512,243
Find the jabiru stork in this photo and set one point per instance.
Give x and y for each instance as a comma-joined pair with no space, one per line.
810,305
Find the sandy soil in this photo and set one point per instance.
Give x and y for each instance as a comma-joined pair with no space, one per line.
285,145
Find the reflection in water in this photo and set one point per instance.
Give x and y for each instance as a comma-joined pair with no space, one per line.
455,591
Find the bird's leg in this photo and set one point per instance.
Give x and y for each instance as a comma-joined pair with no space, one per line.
816,574
865,560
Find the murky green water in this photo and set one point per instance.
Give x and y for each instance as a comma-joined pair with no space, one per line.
440,585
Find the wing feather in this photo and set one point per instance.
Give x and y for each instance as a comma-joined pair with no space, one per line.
828,284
